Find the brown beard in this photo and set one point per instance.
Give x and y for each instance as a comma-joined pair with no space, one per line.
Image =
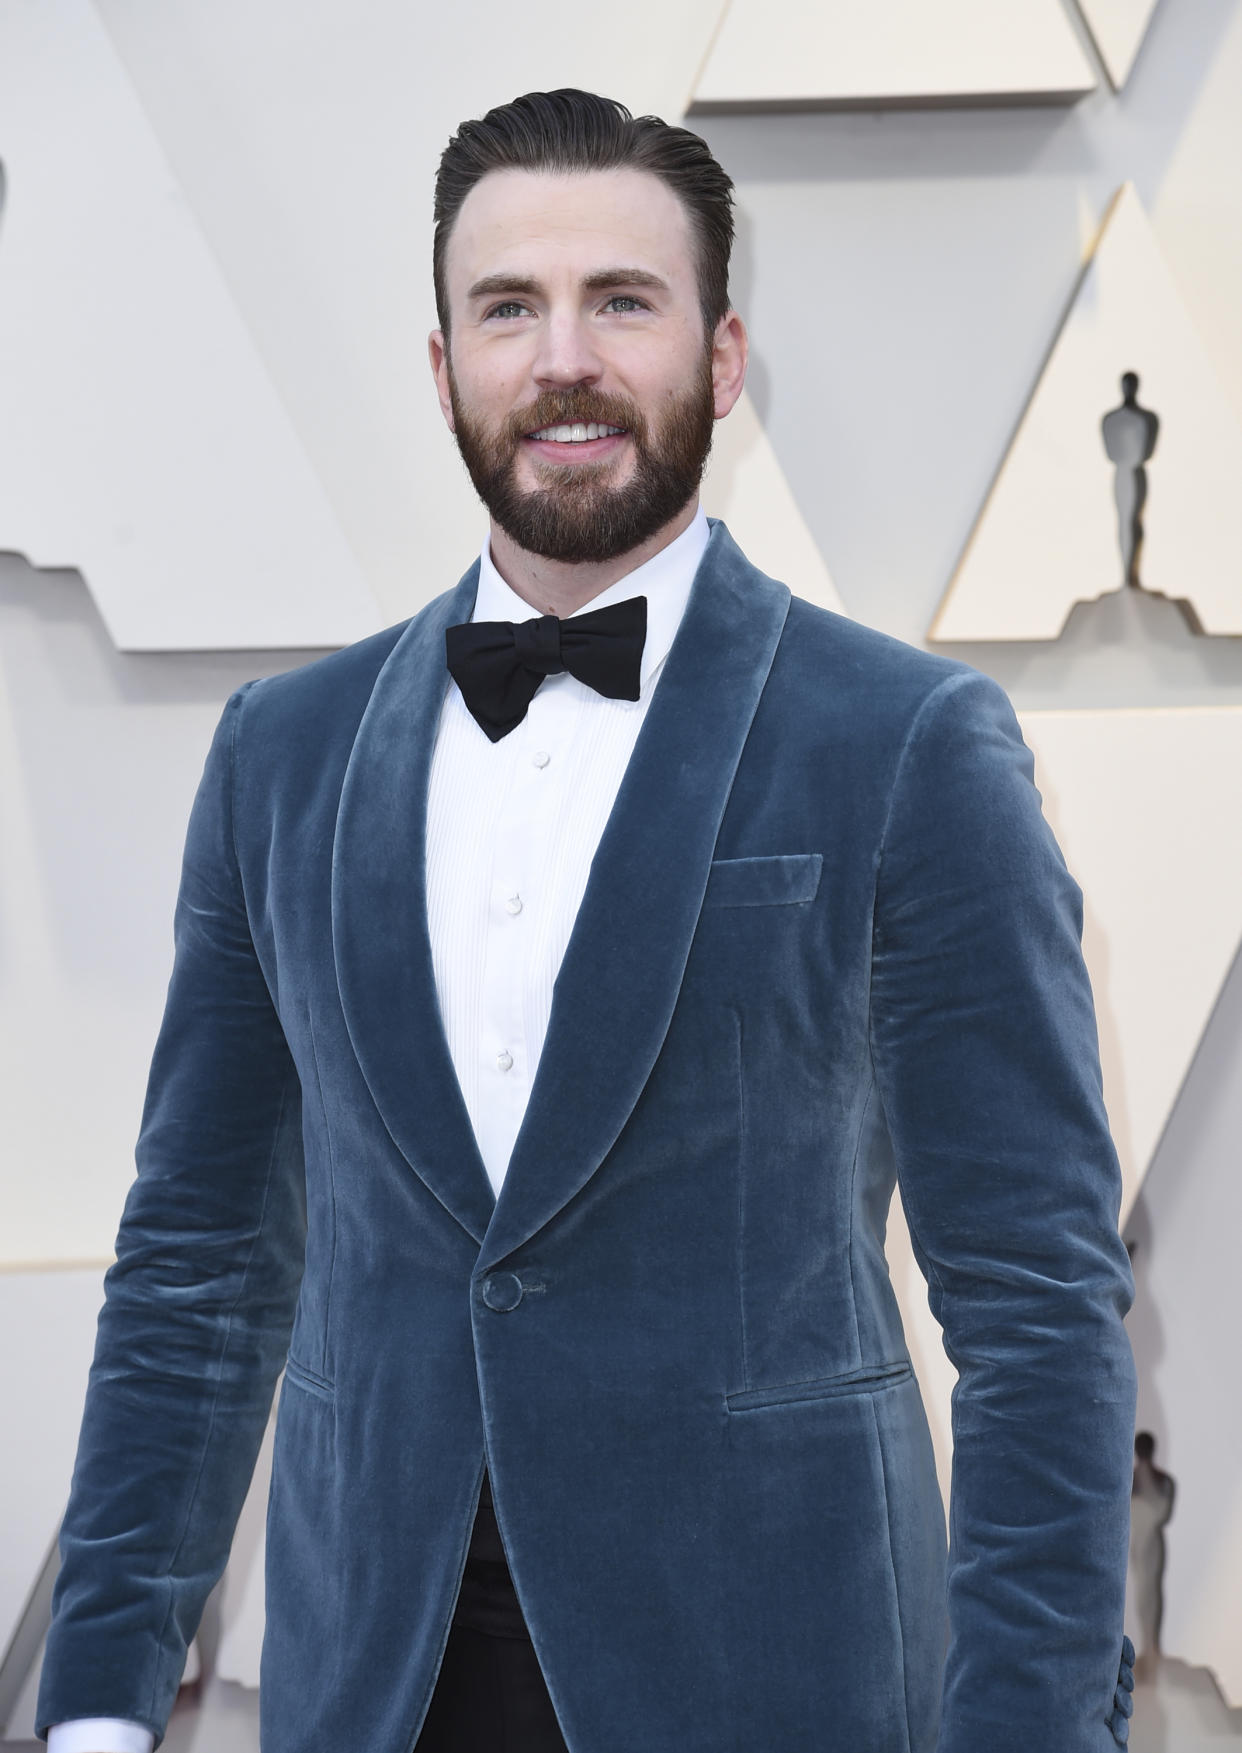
579,517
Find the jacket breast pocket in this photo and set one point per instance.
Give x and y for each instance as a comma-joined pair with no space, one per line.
787,879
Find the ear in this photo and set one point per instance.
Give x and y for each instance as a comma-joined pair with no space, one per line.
730,349
437,351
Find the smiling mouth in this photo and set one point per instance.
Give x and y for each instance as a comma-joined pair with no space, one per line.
577,433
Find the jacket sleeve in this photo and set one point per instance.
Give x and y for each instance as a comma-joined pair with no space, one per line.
984,1041
198,1306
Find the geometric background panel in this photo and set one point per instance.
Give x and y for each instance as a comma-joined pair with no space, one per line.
141,438
1117,29
1048,533
48,1323
100,754
1135,799
771,54
1184,1327
233,438
746,486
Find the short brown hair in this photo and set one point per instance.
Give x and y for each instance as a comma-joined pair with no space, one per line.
571,130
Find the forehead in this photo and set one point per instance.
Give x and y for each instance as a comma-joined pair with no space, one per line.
532,222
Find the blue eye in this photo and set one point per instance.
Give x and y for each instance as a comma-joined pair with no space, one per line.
628,299
510,308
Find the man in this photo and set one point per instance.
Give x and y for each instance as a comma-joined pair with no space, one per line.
778,893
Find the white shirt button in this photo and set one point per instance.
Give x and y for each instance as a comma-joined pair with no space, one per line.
504,1060
541,758
513,904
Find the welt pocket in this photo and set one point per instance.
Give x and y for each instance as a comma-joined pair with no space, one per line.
780,879
301,1377
868,1380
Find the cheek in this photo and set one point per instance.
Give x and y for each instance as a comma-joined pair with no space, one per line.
503,381
670,375
490,380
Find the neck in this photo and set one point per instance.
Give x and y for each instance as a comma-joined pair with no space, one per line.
555,587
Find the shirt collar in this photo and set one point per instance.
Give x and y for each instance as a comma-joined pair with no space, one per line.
664,580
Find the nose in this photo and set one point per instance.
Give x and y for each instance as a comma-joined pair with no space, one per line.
566,354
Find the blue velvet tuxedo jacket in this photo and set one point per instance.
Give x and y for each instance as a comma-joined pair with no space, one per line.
827,941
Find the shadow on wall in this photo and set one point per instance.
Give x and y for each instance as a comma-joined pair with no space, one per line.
1152,1497
1149,1510
1180,49
741,291
1183,1328
105,749
1113,651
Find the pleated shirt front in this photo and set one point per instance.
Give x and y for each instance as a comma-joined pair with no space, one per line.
512,829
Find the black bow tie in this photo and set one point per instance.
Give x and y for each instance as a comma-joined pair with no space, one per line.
499,665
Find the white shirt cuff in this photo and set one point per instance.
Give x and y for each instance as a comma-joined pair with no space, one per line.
99,1734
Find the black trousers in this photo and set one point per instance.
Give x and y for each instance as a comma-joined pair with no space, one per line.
490,1695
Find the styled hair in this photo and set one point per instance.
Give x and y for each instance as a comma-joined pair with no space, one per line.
571,130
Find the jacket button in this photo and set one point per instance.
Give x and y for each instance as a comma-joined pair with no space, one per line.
502,1291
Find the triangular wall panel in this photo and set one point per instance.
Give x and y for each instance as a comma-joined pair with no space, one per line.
1117,29
48,1320
746,486
141,439
1135,799
784,54
1047,537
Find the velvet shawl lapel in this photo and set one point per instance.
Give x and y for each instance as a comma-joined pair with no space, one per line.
380,938
618,983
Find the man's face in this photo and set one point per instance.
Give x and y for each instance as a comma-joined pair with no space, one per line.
579,381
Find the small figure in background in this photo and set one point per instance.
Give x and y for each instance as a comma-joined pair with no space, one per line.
1151,1505
1130,434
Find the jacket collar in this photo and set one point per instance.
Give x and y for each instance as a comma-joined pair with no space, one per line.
623,966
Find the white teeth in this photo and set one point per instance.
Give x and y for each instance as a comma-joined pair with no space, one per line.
577,434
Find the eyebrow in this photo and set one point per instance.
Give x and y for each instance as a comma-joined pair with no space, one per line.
601,281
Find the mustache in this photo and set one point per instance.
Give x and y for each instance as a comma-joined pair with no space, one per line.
573,407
